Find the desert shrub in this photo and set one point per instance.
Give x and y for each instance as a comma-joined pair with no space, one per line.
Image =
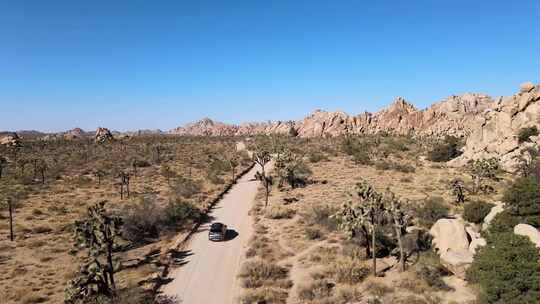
321,215
476,211
405,168
383,165
316,157
257,273
361,157
446,150
316,290
507,269
277,212
378,289
358,149
185,187
142,220
349,271
523,200
177,212
264,295
503,222
312,233
524,134
431,210
432,275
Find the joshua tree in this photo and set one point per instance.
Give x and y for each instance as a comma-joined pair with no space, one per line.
458,190
97,233
124,182
99,174
10,208
291,169
168,173
3,165
232,161
528,162
267,183
399,221
262,158
42,167
374,211
481,170
364,212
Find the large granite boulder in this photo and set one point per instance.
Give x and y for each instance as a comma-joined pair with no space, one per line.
529,231
498,208
449,234
457,261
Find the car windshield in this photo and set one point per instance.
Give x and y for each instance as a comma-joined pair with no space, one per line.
216,227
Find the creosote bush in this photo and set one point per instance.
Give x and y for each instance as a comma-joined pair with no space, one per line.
507,269
446,150
476,211
431,210
524,134
523,200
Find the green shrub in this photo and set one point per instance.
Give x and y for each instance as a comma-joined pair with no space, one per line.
431,210
446,150
278,212
503,222
312,233
316,157
476,211
507,269
523,200
524,134
256,273
178,212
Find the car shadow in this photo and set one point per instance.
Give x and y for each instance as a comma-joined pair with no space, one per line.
230,234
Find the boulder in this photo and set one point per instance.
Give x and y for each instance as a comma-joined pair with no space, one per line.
449,234
529,231
457,261
526,87
475,244
103,135
12,140
498,208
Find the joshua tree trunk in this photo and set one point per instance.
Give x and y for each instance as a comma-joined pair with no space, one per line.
121,191
400,245
10,206
111,266
374,251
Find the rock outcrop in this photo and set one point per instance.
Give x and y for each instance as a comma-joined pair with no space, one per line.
494,133
454,115
12,140
74,134
103,135
457,261
529,231
449,234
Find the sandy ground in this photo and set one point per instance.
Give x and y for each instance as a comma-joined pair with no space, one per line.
209,275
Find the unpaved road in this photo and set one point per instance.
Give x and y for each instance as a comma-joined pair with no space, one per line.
209,275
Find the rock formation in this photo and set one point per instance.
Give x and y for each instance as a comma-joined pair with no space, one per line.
12,140
103,135
74,134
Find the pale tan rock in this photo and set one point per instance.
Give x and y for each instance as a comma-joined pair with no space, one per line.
498,208
526,87
529,231
449,234
475,244
457,261
12,140
103,135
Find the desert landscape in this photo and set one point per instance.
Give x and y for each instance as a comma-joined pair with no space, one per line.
438,205
269,152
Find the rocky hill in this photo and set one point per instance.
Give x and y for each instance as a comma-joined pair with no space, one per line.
454,115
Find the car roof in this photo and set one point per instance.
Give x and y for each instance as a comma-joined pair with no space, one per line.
216,225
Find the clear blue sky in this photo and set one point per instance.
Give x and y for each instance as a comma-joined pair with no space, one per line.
159,64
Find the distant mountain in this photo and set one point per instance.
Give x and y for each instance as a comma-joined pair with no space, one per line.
452,115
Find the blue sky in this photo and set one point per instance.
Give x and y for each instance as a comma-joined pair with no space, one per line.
159,64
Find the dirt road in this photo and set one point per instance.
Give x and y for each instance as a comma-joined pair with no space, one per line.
209,275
